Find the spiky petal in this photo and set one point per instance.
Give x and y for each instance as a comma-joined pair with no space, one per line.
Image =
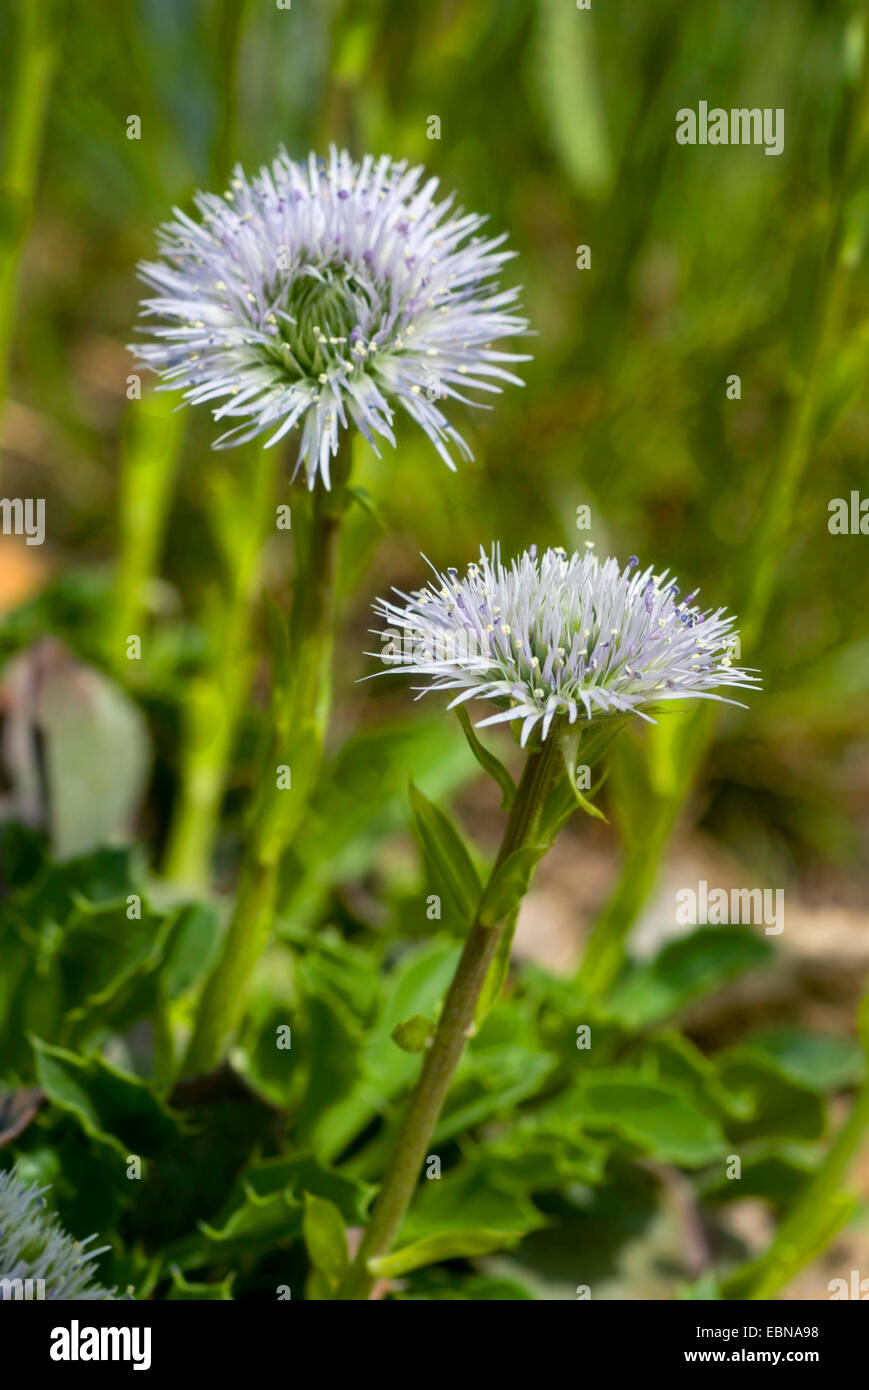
34,1247
560,636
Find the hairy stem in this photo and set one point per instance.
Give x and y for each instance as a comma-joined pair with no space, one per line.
449,1041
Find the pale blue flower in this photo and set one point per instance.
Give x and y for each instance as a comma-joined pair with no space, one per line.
560,637
321,295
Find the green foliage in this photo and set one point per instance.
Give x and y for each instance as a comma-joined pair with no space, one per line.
266,1190
704,262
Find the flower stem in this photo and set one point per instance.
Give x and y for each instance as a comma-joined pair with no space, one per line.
297,732
449,1041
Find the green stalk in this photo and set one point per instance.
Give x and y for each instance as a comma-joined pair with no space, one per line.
32,67
449,1041
243,514
298,726
230,22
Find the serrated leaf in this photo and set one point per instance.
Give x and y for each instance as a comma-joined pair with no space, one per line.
413,1034
776,1104
416,985
657,1117
449,1245
254,1224
570,745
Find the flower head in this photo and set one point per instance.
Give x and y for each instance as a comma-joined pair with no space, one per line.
323,294
560,636
33,1246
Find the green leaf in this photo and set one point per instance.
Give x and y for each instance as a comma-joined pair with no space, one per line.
112,1107
446,855
570,745
361,799
306,1175
95,751
492,1081
448,1245
822,1062
566,69
683,971
500,903
657,1117
413,1034
532,1161
265,1211
323,1230
363,497
477,1289
191,940
509,884
773,1103
488,762
332,1049
415,985
253,1224
669,1056
770,1173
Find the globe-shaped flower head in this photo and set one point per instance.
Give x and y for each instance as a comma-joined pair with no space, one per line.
560,637
322,294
